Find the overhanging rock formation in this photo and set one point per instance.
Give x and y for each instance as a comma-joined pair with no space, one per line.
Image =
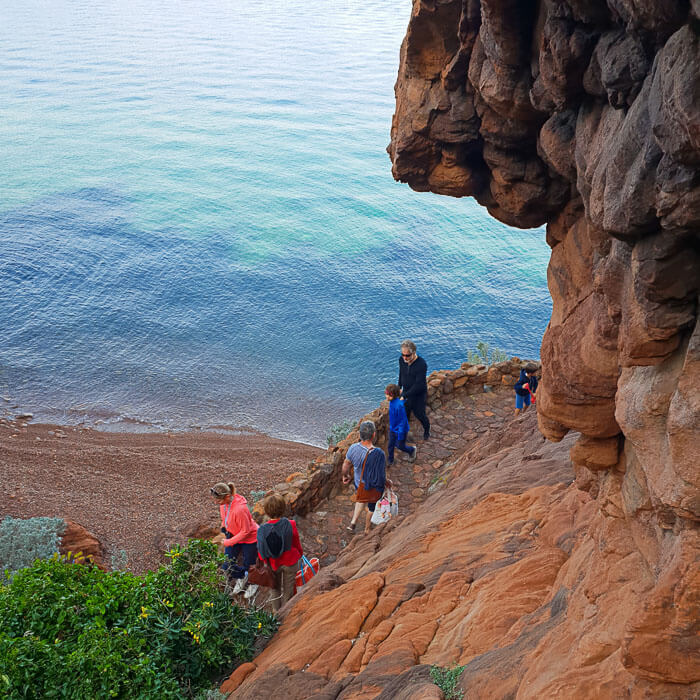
585,115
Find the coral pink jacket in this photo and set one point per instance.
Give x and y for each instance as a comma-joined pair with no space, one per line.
238,521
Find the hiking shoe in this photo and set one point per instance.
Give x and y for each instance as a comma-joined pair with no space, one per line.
426,436
412,458
251,590
389,464
240,584
351,527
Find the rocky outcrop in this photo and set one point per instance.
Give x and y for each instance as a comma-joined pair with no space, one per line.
586,116
510,570
76,541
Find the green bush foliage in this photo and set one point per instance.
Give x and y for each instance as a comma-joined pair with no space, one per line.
447,680
486,355
22,541
76,632
340,431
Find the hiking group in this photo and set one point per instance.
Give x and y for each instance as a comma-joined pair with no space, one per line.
367,462
276,542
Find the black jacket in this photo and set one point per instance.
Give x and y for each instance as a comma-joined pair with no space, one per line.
524,379
412,378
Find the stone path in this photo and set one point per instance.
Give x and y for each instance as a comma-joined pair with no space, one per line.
454,427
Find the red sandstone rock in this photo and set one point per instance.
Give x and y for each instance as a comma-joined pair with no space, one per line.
586,116
77,539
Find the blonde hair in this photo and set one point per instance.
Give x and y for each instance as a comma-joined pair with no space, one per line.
222,489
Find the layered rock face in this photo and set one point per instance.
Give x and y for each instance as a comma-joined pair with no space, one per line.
586,116
570,568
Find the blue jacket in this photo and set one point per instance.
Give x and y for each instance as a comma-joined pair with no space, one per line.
375,470
398,423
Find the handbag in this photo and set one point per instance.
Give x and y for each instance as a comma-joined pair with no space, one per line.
308,568
364,495
387,506
261,574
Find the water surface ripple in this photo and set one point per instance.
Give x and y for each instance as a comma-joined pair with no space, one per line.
198,224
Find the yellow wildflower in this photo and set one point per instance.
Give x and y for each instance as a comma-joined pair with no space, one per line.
259,625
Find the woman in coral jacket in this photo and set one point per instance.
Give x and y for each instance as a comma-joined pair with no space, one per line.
240,530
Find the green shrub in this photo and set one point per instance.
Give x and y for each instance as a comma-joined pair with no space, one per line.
77,632
485,355
22,541
447,679
340,431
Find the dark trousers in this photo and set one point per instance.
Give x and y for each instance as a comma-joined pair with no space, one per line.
417,405
400,444
250,555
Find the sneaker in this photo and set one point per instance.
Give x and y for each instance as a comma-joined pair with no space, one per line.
426,436
389,464
412,458
251,590
351,527
240,584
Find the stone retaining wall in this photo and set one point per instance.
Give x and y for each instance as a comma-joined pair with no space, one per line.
305,491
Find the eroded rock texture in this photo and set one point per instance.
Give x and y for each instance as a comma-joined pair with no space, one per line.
585,115
563,569
510,570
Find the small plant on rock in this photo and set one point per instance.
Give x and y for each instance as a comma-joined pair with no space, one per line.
258,495
447,679
340,431
486,355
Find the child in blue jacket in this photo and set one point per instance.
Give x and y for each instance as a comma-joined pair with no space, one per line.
525,388
398,425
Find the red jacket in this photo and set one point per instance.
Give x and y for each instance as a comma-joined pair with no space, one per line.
291,556
237,520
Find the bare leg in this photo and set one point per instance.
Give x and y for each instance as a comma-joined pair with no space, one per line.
356,512
368,521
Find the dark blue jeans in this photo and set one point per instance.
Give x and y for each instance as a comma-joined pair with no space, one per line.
250,555
400,444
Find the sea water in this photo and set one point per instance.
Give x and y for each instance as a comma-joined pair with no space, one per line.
199,227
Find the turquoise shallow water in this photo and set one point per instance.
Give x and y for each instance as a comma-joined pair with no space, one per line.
198,224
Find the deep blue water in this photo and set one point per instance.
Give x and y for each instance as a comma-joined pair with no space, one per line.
199,227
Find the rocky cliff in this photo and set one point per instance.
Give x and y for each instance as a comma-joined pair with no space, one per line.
569,568
585,115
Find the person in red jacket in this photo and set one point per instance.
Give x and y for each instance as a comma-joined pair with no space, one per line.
240,531
285,566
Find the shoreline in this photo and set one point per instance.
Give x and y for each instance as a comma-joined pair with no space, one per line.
124,425
136,492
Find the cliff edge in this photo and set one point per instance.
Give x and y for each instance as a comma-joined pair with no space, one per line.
567,568
586,116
